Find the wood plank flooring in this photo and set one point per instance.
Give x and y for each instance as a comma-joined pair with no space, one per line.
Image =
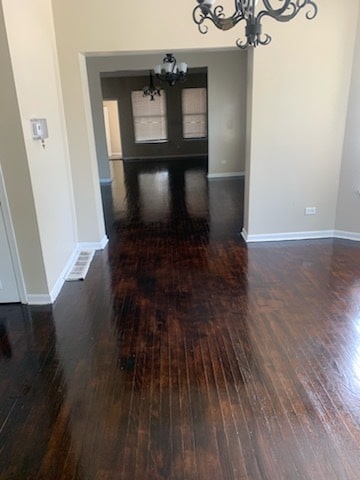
186,354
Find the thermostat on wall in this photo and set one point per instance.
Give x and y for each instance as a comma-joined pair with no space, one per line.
39,128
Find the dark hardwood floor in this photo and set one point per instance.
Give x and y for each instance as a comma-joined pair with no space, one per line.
186,354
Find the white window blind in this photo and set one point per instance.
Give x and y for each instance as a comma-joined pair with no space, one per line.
194,112
150,123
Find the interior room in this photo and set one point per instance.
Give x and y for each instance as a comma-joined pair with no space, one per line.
179,275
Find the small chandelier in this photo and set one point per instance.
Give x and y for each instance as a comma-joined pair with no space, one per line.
246,10
173,72
151,91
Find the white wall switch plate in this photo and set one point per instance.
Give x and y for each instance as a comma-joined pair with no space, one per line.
310,211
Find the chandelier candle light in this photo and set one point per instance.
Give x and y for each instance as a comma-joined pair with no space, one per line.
173,72
248,11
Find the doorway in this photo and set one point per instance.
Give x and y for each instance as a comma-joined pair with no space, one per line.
112,129
226,83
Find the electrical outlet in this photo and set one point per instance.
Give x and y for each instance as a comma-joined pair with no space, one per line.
310,211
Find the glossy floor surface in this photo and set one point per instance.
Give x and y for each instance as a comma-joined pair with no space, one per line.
186,354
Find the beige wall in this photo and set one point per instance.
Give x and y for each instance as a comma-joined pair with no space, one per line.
227,74
34,60
227,101
348,218
248,133
17,176
299,101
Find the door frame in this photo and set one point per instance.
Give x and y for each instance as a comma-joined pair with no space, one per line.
10,233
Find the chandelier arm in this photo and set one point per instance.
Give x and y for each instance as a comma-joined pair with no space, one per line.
278,11
304,3
278,17
199,18
296,8
259,41
254,35
242,44
216,16
239,6
267,39
312,5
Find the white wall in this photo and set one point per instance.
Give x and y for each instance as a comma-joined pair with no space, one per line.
34,61
299,100
227,72
348,217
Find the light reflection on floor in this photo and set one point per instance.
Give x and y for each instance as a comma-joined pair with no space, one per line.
155,192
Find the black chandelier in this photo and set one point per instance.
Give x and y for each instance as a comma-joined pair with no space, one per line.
173,72
151,90
248,11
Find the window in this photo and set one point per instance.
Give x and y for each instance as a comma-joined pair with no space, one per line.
150,123
194,112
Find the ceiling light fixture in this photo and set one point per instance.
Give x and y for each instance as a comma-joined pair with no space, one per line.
173,72
248,11
151,91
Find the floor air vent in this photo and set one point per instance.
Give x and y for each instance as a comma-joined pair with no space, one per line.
81,266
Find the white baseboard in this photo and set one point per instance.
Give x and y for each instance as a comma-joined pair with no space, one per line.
33,299
61,280
347,235
93,245
225,175
46,299
279,237
244,234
